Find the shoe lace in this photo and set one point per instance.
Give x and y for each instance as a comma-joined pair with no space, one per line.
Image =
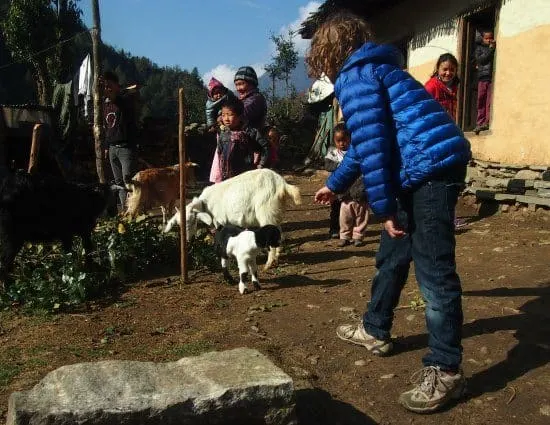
426,379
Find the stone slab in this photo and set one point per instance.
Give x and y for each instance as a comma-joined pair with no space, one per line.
231,387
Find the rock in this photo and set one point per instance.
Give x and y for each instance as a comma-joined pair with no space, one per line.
528,175
545,410
236,386
497,183
254,328
314,360
546,176
360,363
347,309
498,249
483,351
410,317
388,376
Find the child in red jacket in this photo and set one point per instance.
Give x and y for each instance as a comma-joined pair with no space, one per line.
443,85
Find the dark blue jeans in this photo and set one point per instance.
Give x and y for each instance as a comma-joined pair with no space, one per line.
427,214
123,164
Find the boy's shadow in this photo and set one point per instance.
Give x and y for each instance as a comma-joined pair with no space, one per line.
532,328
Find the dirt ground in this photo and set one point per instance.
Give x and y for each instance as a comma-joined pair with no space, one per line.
504,263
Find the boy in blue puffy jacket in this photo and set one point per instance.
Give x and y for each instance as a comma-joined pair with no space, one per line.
413,160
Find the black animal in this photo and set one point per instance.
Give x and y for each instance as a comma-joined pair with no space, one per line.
39,208
244,245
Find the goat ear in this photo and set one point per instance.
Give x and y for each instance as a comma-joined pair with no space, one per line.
205,218
195,204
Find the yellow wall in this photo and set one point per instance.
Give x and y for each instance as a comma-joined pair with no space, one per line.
520,132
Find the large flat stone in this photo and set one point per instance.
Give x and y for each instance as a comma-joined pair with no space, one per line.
239,386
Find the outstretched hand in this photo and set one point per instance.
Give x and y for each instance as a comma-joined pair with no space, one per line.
324,196
393,228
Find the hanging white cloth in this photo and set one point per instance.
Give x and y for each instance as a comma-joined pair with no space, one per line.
85,81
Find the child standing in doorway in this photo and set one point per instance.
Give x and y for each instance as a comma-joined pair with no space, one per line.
350,210
484,56
443,85
413,160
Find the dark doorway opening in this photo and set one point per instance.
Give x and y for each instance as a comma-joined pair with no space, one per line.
471,27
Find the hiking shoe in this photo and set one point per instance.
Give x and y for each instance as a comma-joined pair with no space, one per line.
358,243
357,335
343,242
434,388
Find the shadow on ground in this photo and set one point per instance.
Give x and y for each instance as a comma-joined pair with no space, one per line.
532,331
316,407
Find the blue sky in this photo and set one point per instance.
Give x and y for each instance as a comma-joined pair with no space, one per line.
215,36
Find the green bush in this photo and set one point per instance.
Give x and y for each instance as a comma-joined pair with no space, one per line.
297,128
45,277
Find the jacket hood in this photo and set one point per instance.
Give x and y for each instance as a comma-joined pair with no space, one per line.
374,53
212,84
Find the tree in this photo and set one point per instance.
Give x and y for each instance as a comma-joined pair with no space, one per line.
286,58
274,73
32,29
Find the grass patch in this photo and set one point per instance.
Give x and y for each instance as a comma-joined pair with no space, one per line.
192,349
7,372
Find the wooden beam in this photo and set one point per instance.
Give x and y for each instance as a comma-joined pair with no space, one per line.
35,148
183,168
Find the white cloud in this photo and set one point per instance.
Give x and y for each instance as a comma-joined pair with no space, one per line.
225,74
303,13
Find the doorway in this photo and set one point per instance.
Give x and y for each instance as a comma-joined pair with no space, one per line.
471,26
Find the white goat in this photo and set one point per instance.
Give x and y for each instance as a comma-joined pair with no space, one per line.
252,199
244,245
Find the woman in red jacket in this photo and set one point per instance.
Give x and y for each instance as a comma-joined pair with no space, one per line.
443,85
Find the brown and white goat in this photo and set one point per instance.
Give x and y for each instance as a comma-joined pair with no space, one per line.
157,187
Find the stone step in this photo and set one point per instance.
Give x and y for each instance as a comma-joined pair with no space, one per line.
238,386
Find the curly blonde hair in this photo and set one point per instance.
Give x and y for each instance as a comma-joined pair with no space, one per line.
333,42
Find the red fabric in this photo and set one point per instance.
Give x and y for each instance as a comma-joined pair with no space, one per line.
212,84
446,96
484,92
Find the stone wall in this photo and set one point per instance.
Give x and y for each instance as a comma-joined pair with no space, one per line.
509,183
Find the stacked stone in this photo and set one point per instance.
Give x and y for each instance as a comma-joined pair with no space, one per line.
509,183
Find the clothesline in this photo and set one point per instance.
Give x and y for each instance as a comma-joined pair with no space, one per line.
49,48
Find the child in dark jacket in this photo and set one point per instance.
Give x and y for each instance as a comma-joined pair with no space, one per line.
237,142
218,94
484,56
413,160
443,85
348,212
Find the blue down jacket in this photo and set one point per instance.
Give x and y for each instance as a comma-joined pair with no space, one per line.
400,136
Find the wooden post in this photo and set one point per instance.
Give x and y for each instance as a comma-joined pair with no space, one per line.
183,168
98,101
35,148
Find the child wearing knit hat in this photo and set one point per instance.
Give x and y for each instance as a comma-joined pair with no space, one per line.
217,95
255,105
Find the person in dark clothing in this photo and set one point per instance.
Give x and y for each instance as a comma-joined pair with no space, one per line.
484,57
120,133
255,105
237,142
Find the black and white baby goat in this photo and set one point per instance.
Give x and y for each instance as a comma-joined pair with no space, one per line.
244,245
